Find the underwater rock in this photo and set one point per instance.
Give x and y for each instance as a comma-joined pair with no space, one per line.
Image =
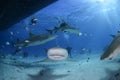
88,59
68,71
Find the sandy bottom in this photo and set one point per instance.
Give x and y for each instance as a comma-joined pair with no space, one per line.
87,68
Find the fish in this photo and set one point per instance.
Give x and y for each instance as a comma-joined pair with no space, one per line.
11,33
2,56
34,40
64,27
113,49
34,21
17,51
7,43
56,54
68,48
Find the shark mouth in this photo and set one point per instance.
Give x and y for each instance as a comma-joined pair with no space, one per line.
57,56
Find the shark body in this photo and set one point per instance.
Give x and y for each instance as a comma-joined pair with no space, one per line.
35,40
113,49
64,27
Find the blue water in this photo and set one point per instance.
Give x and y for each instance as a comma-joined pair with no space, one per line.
95,19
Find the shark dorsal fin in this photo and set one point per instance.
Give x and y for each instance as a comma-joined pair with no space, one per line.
113,36
55,27
31,34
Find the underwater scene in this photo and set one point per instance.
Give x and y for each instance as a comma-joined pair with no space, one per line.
66,40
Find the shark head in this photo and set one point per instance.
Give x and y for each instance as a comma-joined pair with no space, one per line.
72,30
57,54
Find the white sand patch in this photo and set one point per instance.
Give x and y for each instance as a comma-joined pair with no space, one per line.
82,69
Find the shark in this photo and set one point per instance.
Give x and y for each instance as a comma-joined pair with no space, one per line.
64,27
34,40
113,49
57,54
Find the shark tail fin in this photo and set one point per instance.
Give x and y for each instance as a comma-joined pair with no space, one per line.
13,44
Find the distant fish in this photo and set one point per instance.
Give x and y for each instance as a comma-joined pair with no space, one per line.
35,40
17,51
11,33
27,29
7,43
113,49
56,54
2,56
64,27
34,21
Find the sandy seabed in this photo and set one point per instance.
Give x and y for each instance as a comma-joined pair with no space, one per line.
86,68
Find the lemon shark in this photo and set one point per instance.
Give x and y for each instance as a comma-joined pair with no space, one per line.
57,54
34,40
64,27
113,49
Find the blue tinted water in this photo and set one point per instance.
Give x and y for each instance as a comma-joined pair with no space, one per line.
95,19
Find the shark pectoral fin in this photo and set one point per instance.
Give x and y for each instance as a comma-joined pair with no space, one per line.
113,36
13,44
45,60
71,60
110,58
31,34
25,45
49,31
